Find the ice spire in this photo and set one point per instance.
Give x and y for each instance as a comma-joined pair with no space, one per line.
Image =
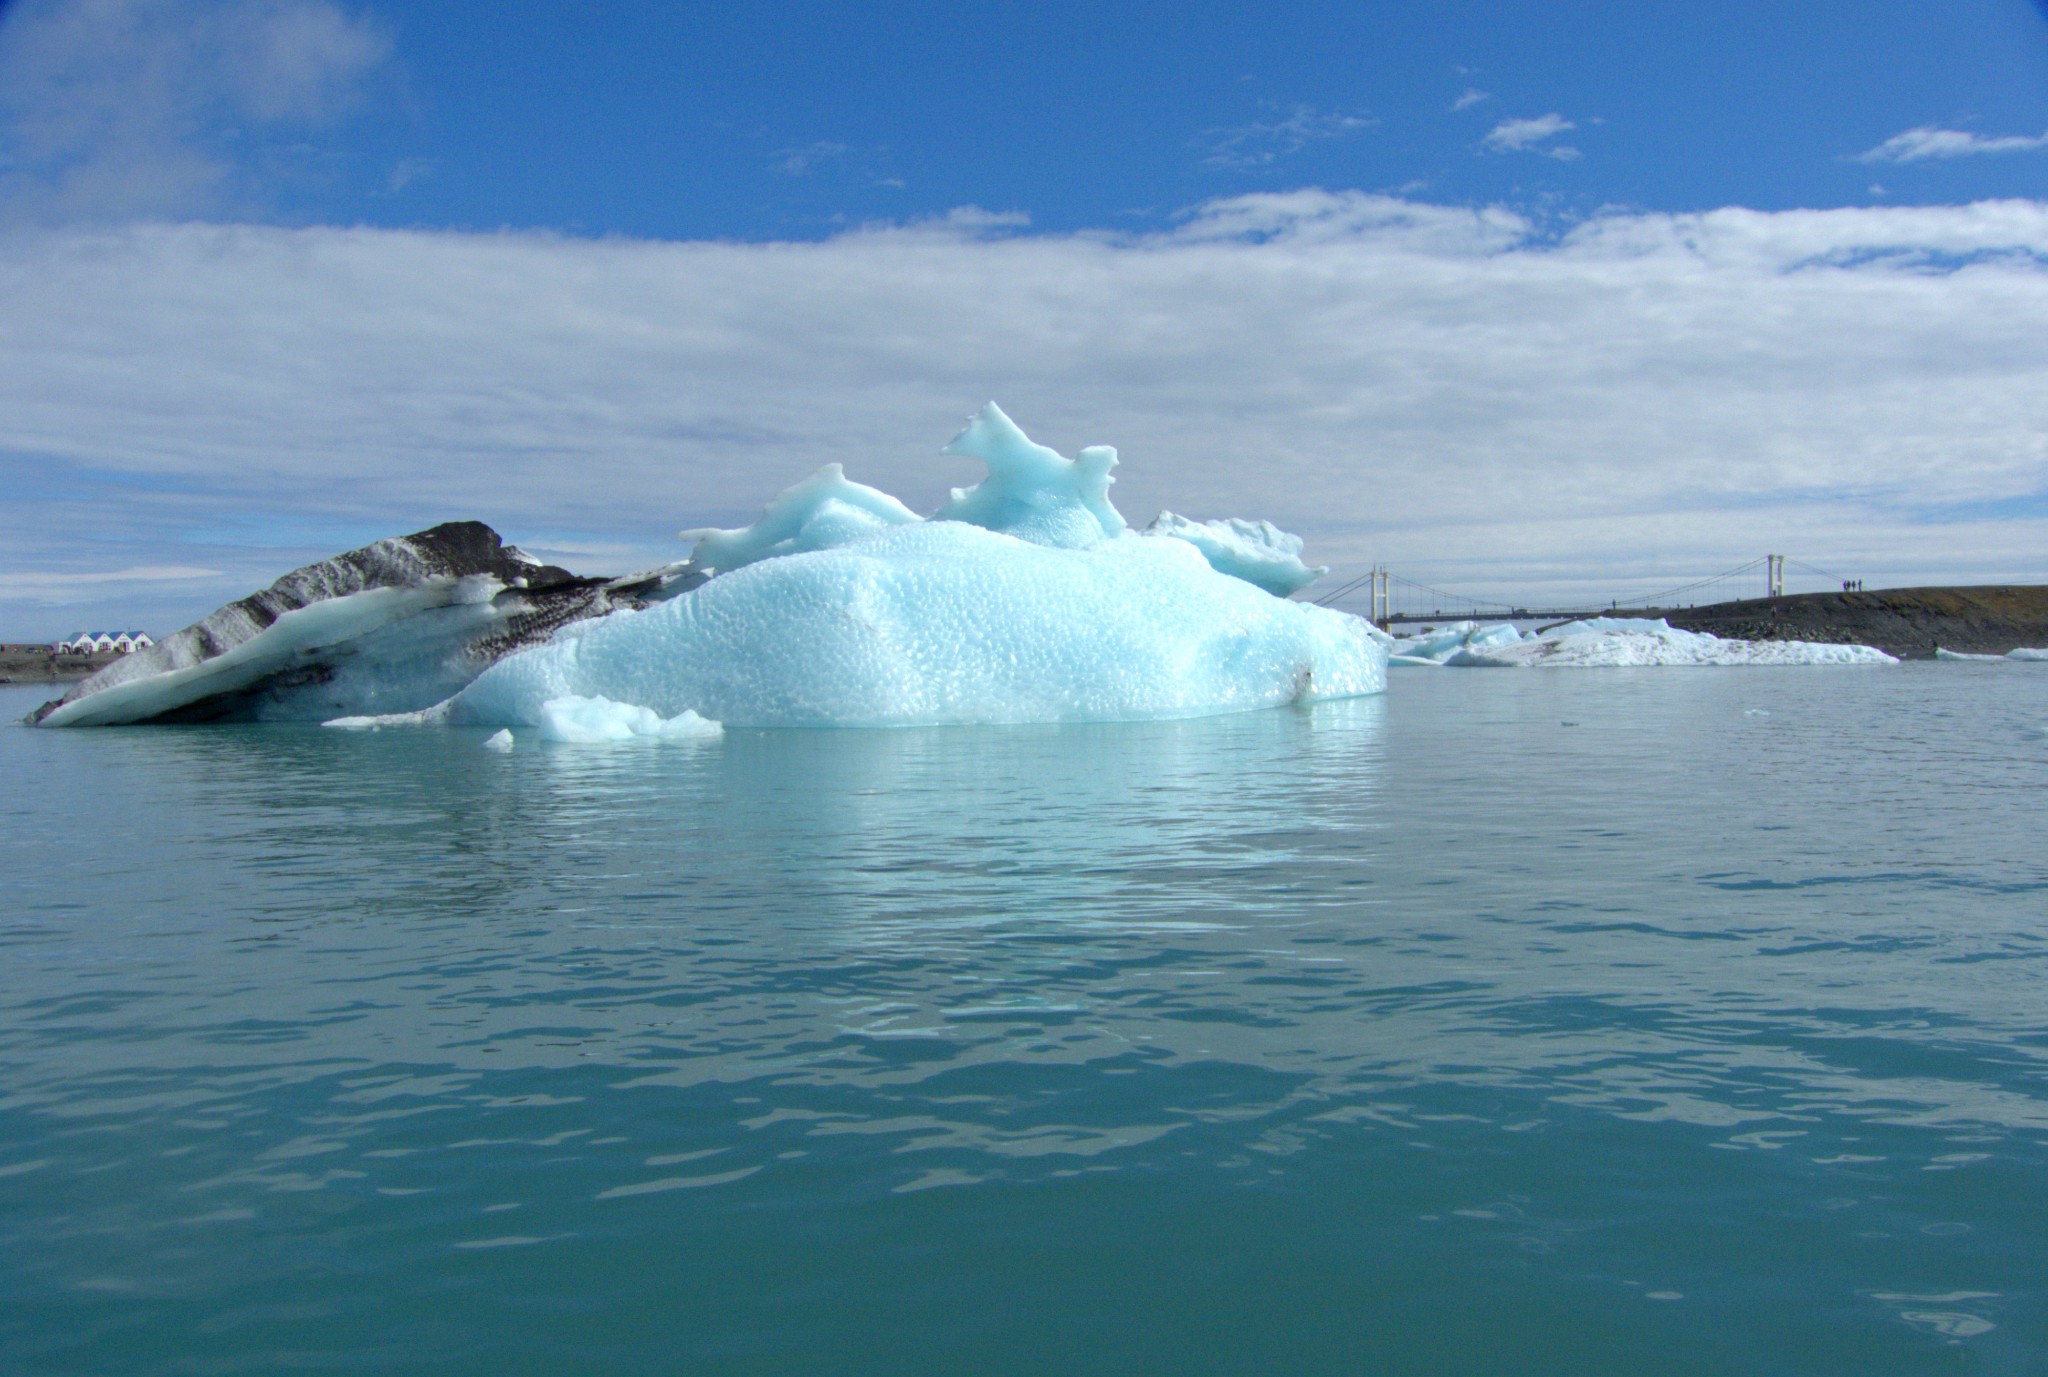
1032,492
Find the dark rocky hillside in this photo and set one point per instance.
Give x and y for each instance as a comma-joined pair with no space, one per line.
1986,619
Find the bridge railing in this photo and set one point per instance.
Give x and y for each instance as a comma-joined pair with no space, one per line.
1395,598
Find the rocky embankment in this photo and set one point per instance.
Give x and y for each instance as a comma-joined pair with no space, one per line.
41,665
1987,619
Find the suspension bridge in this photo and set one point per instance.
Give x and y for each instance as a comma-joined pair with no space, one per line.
1392,598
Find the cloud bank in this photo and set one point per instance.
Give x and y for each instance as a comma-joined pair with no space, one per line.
1484,402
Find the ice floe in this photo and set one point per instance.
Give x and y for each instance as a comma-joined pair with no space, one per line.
2024,653
1609,642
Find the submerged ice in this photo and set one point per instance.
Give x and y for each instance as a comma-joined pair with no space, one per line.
585,720
1024,598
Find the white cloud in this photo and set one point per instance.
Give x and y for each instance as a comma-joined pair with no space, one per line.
54,586
1927,141
1484,404
1473,96
800,162
113,108
406,171
1264,142
1530,136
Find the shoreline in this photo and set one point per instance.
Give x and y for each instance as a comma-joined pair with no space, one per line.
41,666
1976,619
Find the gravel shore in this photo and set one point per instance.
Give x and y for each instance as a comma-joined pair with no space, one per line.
39,666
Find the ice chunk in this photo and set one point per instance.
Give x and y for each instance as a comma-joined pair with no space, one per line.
584,721
499,741
943,622
1258,552
824,510
2023,653
1605,642
436,716
1032,492
1448,645
1611,641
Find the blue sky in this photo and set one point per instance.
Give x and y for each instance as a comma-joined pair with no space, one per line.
1518,296
791,119
1105,115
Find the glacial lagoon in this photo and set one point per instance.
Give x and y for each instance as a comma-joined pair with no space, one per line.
1623,1021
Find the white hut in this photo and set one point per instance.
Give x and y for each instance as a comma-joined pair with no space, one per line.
100,642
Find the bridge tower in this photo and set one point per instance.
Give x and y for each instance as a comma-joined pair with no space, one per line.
1382,594
1775,572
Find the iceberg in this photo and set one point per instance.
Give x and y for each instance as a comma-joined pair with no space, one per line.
947,623
1456,644
2023,653
1608,642
392,627
1025,598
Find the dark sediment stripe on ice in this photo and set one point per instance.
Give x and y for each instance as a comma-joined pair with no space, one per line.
528,602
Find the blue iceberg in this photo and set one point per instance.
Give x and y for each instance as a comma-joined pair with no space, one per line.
1025,598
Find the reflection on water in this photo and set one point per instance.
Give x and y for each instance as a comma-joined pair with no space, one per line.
1629,1021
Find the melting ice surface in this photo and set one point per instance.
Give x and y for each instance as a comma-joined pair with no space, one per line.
1601,642
1024,598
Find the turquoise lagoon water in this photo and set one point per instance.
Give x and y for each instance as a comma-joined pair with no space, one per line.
1630,1022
